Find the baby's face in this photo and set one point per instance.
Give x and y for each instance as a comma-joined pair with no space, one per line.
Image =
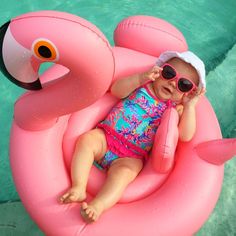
166,89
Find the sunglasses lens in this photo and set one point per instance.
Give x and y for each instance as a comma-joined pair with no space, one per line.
168,72
185,85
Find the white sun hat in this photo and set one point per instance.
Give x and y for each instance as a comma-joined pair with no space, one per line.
188,57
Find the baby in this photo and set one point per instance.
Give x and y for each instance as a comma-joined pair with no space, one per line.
121,142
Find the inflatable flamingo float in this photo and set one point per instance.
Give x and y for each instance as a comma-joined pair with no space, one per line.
163,200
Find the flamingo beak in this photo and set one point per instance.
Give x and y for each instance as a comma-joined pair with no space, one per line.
15,61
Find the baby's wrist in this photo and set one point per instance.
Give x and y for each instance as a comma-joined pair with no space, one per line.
189,106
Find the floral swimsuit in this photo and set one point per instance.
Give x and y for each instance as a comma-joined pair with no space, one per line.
131,125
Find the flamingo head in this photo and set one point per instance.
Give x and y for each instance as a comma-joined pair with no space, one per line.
34,38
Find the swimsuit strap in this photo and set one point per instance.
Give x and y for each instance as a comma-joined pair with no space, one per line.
170,103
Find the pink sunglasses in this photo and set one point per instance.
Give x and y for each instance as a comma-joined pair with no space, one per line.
183,85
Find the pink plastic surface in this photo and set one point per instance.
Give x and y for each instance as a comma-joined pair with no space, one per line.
217,151
149,31
42,140
167,134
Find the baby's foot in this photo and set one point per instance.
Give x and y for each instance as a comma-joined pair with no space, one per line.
90,212
75,194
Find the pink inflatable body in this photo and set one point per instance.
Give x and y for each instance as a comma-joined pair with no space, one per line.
161,201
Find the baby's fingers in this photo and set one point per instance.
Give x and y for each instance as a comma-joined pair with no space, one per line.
203,91
200,92
156,69
153,73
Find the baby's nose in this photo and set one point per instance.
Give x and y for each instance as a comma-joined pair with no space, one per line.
172,83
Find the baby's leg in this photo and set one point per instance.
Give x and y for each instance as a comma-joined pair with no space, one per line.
120,174
90,146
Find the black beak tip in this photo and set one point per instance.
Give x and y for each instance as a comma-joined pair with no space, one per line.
3,28
36,85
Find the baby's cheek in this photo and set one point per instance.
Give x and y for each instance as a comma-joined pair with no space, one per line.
157,82
177,96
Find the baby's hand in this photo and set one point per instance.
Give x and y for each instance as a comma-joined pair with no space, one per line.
192,98
150,75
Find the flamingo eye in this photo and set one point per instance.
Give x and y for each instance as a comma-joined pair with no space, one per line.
45,50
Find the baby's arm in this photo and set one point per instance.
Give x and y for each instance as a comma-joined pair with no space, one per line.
124,87
187,124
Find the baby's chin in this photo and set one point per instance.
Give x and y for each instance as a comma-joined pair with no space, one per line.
170,96
164,94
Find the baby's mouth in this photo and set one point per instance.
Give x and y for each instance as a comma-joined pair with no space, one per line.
167,90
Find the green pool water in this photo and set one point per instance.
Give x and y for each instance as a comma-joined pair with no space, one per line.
210,29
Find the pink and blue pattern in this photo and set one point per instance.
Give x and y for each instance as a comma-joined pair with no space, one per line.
134,122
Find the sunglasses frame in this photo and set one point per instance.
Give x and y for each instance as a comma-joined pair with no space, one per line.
178,77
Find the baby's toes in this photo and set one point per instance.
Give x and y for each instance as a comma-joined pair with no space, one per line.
84,206
94,216
71,198
64,197
91,215
87,213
